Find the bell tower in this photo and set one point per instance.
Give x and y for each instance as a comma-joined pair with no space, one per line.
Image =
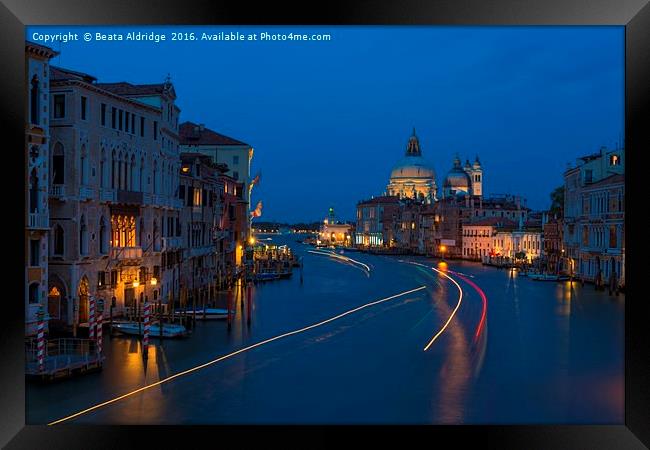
477,178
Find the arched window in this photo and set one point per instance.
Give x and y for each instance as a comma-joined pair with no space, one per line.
58,164
83,236
102,169
141,175
155,177
141,240
120,168
58,240
34,102
113,171
103,236
131,174
33,192
34,289
84,166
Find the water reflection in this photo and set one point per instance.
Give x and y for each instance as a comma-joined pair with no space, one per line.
455,372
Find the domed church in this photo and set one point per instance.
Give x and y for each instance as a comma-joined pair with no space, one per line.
412,177
467,180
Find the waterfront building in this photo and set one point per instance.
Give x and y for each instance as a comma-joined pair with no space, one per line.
410,237
479,237
377,222
428,221
413,177
553,248
594,217
201,262
114,208
37,162
235,154
334,232
232,227
486,239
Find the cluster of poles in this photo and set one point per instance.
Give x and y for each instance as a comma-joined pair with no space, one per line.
95,331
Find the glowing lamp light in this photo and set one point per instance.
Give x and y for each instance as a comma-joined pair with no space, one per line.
443,248
154,281
136,284
251,240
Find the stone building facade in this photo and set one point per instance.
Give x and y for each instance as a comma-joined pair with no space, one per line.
594,217
377,220
114,173
37,162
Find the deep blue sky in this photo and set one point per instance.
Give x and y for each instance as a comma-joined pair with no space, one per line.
328,120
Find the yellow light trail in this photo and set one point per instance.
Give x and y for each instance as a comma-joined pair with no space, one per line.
229,355
453,313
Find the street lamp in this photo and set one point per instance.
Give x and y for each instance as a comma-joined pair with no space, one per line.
443,249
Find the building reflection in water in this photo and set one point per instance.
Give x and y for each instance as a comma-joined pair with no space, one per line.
456,370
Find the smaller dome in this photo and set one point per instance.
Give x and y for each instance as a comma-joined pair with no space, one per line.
457,180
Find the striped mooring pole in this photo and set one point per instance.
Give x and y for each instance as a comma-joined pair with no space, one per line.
40,339
145,336
91,317
100,321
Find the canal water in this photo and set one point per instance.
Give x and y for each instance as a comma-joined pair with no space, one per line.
528,353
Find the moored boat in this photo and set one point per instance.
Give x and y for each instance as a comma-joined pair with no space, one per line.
209,314
169,330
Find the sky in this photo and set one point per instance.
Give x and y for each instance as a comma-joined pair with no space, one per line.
329,119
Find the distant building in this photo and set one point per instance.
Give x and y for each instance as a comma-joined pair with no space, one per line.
594,217
377,222
479,237
334,232
410,237
493,237
553,247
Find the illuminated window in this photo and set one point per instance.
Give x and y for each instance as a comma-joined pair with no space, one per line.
614,160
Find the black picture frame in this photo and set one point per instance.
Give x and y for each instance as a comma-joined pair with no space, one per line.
633,14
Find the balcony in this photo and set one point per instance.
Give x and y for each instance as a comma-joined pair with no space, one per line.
147,198
159,200
126,253
130,197
58,191
202,251
38,221
86,193
171,243
107,195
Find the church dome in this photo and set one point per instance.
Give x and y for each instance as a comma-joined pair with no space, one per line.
413,177
457,178
412,167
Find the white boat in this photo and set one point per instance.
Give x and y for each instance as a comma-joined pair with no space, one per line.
210,313
547,277
169,330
